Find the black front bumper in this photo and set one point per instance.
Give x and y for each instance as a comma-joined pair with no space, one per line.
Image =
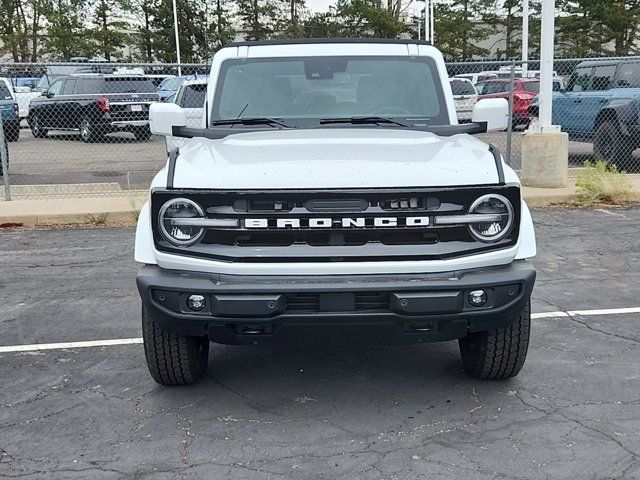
406,308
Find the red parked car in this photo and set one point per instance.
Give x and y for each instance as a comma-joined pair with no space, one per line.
525,89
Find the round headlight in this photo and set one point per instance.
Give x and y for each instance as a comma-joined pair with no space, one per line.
500,210
174,221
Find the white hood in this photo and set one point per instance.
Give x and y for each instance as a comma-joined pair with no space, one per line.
334,158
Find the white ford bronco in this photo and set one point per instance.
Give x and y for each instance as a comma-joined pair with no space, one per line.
330,192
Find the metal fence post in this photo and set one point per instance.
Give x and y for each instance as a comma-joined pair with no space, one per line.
4,156
512,76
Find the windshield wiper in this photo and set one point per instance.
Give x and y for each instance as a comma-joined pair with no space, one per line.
363,120
251,121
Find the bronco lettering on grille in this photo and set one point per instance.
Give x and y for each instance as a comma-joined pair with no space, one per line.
344,222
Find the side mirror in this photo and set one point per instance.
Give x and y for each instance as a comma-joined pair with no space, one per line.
493,111
44,93
164,116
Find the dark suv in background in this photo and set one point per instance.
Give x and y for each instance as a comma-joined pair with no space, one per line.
94,105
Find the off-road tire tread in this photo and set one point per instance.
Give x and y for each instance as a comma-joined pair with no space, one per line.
623,146
499,353
172,358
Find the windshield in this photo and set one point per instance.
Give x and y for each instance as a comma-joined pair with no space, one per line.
45,81
533,87
492,87
171,84
306,90
462,88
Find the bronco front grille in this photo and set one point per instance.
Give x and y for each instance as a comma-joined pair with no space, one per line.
355,225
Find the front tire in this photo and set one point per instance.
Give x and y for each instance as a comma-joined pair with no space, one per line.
611,145
36,129
500,353
173,359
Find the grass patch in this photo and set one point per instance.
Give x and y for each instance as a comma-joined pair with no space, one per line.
99,219
599,183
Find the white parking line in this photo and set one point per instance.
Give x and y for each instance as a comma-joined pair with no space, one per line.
60,346
606,311
133,341
549,314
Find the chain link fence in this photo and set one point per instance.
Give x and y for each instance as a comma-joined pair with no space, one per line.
596,101
87,134
82,128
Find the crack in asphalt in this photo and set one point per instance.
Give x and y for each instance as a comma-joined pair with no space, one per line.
575,319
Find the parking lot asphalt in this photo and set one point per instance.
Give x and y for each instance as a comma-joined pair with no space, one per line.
366,412
62,158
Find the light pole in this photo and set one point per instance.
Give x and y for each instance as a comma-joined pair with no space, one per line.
426,21
547,35
175,28
544,149
432,24
525,36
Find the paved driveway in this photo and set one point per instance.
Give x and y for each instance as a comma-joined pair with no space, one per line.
362,412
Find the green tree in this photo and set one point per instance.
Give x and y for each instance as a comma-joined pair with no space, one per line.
290,25
14,29
597,27
259,19
322,25
191,29
66,30
109,26
367,18
143,12
222,28
460,25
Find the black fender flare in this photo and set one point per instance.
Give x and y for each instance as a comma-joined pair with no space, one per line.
623,110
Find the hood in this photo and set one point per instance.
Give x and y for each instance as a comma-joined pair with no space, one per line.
334,158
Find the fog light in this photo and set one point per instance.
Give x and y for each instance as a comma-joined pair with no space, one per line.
477,298
195,302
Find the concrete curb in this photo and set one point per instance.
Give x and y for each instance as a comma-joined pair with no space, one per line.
71,211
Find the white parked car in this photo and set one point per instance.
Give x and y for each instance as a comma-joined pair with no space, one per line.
465,98
477,77
190,97
331,193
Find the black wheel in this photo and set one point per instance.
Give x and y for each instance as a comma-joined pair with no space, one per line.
12,133
173,359
498,353
36,128
611,145
142,133
88,132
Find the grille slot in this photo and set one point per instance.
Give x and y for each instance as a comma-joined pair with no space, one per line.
303,302
364,302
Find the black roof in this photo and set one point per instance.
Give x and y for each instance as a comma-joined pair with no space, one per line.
314,41
607,61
